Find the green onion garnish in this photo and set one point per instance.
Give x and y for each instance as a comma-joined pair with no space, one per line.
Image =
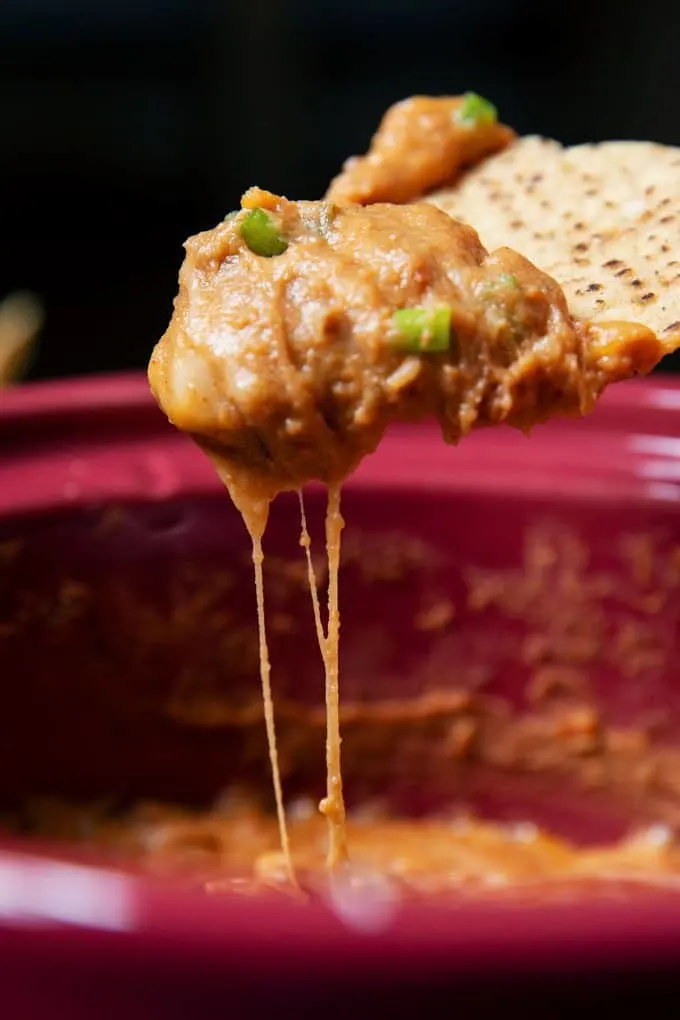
423,330
476,111
262,235
501,282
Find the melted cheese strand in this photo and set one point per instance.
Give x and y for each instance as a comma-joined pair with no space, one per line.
306,543
333,804
255,514
265,672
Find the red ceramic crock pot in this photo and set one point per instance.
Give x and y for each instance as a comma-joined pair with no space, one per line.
119,551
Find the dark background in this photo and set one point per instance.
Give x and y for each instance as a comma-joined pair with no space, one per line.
129,124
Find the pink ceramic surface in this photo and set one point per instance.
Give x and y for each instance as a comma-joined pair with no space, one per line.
97,489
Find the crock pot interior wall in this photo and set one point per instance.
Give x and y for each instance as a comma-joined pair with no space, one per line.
513,656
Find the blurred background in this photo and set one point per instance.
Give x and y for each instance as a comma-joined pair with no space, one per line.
129,124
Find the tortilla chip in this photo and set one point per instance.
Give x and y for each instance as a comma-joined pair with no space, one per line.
603,220
21,317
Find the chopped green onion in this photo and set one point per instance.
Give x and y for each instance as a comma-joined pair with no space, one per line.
423,330
476,111
500,282
262,235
